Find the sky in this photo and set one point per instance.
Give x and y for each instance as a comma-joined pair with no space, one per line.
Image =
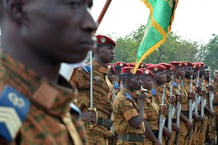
195,20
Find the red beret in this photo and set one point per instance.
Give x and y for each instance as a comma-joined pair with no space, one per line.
104,40
186,63
131,64
147,72
168,66
142,65
148,64
109,66
198,65
156,67
177,63
130,70
120,63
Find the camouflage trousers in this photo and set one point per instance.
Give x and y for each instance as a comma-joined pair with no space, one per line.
201,132
96,139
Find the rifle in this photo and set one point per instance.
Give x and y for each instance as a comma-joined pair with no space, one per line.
178,111
190,109
162,118
170,114
202,104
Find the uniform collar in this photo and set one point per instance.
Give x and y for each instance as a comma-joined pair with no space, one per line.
132,94
100,68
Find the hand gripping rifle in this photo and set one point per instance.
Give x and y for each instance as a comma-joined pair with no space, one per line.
162,118
190,109
178,111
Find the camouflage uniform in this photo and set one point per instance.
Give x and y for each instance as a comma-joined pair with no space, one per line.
99,133
152,115
48,121
215,105
125,107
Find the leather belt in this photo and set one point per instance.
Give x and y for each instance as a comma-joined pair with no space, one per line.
155,132
186,113
132,137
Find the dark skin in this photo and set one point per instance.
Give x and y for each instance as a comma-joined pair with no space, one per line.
160,79
102,55
133,83
147,84
180,73
46,33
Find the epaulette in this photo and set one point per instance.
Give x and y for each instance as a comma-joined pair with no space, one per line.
153,91
75,110
14,109
116,86
174,84
87,68
128,96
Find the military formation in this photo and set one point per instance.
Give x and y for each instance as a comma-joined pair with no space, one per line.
165,103
103,103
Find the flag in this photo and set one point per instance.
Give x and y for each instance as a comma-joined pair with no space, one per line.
158,25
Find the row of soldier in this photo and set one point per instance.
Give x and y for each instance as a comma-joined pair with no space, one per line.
159,104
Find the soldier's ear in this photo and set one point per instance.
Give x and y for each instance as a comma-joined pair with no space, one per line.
14,9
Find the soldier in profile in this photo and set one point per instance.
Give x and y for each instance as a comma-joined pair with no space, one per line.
37,35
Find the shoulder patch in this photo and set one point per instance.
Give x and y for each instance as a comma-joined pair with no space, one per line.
153,91
87,68
14,109
116,86
128,96
74,109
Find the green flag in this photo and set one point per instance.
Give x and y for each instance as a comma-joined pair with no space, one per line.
158,25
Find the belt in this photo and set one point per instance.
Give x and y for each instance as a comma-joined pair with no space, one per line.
155,132
132,137
104,122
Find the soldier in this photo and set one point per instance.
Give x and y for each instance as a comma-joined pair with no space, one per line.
118,66
127,114
215,102
185,124
210,134
151,110
158,93
103,54
171,87
36,37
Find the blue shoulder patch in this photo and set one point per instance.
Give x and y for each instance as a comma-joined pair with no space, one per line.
198,83
116,86
75,109
87,68
174,84
153,91
128,96
14,109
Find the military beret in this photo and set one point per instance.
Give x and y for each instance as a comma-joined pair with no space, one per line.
120,63
131,64
147,72
168,66
177,63
198,65
186,63
148,64
104,40
156,67
130,70
109,66
142,65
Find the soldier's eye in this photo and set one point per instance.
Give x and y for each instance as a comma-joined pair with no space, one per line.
74,4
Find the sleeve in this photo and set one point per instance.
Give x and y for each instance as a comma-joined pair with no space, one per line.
128,109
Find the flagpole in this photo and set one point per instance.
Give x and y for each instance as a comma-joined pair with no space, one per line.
101,16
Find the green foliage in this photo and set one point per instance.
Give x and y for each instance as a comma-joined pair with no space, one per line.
174,48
